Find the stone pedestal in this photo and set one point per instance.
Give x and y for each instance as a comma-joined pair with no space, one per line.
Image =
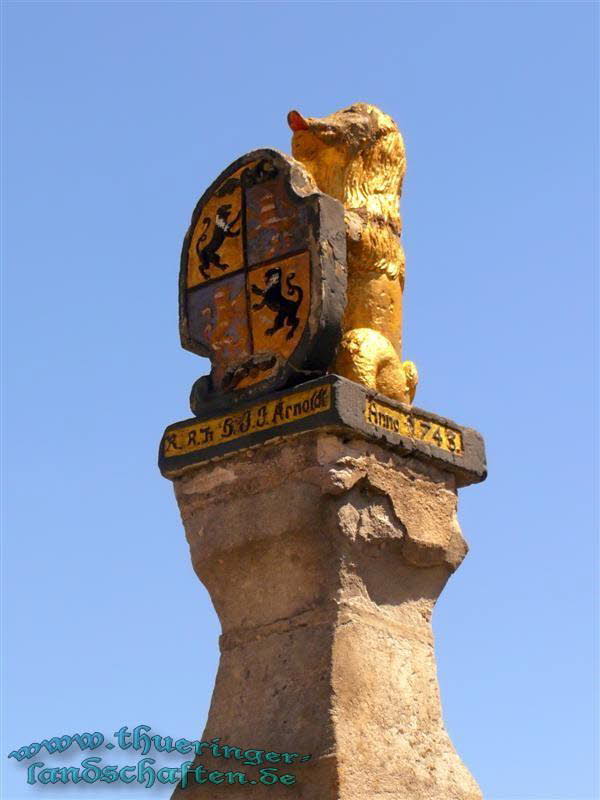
324,554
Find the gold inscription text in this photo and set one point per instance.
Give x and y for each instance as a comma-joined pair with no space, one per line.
412,425
212,432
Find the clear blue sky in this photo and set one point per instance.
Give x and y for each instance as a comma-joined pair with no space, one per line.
116,117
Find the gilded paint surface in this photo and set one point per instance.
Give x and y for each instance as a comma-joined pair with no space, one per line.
260,417
410,424
357,156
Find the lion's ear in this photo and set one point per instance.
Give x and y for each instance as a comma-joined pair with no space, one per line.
296,121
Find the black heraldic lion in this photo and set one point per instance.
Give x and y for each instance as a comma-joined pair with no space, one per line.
208,254
286,309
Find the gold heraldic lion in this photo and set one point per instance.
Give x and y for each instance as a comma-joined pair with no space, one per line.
357,156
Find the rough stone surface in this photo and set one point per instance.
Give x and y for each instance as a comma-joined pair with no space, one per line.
324,558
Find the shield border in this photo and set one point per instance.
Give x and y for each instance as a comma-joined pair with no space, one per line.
316,349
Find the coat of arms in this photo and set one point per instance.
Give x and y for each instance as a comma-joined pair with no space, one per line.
263,280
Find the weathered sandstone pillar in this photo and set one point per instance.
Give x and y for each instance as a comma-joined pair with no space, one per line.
324,554
320,508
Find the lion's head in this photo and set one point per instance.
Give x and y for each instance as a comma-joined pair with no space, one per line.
355,155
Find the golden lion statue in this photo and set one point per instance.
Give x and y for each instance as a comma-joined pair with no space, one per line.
357,156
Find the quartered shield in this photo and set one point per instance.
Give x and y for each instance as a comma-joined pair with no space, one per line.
263,279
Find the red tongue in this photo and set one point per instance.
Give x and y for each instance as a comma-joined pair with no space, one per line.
296,121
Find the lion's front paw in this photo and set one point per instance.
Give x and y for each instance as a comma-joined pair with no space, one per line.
411,377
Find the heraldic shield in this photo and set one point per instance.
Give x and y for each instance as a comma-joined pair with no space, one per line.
263,280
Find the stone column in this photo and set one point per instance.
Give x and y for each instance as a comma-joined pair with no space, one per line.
324,556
